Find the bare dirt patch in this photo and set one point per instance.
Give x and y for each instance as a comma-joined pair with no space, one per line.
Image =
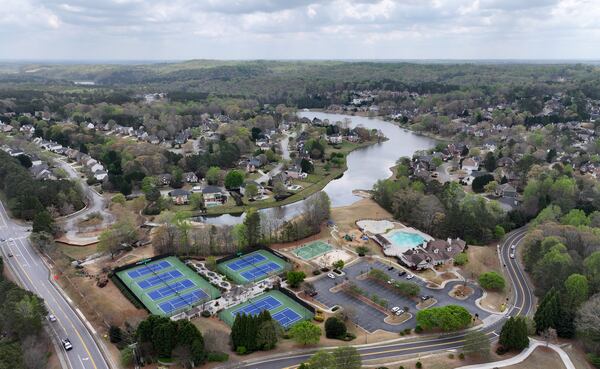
484,259
397,319
345,217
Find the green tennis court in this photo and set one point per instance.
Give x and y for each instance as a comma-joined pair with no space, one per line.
312,250
253,267
167,286
282,308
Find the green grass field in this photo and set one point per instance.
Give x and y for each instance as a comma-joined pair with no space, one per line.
228,315
175,264
312,250
237,275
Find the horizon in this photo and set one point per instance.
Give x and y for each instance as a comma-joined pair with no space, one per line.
299,30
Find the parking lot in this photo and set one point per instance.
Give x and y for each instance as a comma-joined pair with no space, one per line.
370,318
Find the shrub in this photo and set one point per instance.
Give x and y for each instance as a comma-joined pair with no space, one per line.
205,313
491,281
501,350
418,365
461,259
418,329
334,328
319,318
316,272
461,356
241,350
450,356
114,333
407,331
217,357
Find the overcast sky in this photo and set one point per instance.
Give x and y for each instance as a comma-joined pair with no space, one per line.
299,29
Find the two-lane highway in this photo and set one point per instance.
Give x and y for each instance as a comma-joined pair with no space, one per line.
33,274
522,303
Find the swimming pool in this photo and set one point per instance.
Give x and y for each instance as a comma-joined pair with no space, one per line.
405,240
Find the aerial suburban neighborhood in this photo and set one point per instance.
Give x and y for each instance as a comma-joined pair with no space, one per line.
266,185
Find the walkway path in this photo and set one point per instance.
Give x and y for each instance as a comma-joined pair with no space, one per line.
524,355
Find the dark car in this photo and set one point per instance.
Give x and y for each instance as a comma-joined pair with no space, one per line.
401,273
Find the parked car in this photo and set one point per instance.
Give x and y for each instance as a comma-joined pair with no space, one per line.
51,318
410,276
390,281
395,308
66,344
400,312
401,273
391,268
331,275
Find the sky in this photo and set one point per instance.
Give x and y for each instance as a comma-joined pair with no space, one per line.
299,29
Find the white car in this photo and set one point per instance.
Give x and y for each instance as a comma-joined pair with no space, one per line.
51,318
331,275
66,344
512,255
513,246
390,281
395,308
410,276
400,312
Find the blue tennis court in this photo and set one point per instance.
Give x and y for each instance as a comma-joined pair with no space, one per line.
246,261
287,317
256,307
259,271
171,289
182,301
148,269
160,278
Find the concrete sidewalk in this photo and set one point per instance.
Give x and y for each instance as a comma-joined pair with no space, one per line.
533,344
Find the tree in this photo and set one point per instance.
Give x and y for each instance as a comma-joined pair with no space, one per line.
252,223
480,182
513,335
553,313
321,360
490,187
240,235
346,357
295,278
234,179
575,217
268,334
447,318
461,259
339,264
43,222
591,266
164,338
587,322
197,201
305,333
307,166
251,190
576,291
477,343
489,163
492,281
213,175
335,328
127,356
25,161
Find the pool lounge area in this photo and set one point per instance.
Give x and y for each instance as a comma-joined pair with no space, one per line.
398,241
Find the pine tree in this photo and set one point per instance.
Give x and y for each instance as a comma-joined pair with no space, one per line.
513,335
506,333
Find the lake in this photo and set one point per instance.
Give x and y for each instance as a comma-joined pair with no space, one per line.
366,165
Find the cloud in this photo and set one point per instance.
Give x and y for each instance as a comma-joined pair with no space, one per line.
178,29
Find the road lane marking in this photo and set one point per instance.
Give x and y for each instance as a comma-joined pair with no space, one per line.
67,317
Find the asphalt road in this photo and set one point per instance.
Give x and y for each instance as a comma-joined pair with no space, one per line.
521,304
33,274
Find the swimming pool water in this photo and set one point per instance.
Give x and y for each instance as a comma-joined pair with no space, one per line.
405,240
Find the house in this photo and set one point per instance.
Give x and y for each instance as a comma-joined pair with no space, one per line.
164,179
190,177
42,172
259,187
100,175
5,128
96,168
469,165
35,161
295,172
214,196
179,196
432,253
505,161
506,190
255,163
335,139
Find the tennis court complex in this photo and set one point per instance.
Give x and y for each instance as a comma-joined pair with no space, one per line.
167,286
282,308
312,250
252,267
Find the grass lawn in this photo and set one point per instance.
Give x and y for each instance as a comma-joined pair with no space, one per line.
77,252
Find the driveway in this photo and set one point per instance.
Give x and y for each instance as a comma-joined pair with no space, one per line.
370,318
